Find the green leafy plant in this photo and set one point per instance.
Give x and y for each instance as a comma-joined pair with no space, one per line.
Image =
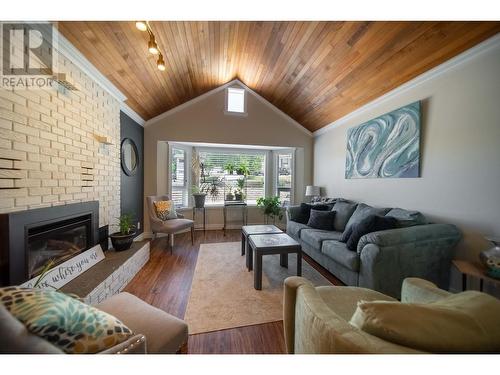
243,169
125,223
195,189
271,207
229,167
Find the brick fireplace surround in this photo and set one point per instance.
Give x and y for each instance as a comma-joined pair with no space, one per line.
51,154
49,151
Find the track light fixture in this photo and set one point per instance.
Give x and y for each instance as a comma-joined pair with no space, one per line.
161,63
152,45
141,25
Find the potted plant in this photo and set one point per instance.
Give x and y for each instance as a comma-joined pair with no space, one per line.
229,167
212,187
198,196
238,194
271,206
229,195
123,239
243,169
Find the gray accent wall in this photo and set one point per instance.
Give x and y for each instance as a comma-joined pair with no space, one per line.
132,187
460,153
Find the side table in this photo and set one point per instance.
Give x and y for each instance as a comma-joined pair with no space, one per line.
476,270
204,216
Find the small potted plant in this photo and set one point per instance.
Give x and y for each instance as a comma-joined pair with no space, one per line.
238,194
271,206
243,169
229,167
229,195
198,196
123,239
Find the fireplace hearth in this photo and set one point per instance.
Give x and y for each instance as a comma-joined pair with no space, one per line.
29,239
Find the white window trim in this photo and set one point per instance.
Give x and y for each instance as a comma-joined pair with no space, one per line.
245,102
271,172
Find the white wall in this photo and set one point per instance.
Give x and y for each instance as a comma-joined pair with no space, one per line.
460,152
205,121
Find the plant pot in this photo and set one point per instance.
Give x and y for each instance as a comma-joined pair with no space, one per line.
199,200
238,197
122,242
229,197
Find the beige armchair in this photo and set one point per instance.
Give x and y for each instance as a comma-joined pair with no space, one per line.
169,227
316,319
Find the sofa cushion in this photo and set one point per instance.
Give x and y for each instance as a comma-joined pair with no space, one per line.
407,218
343,300
372,223
305,211
362,211
294,228
343,211
321,219
339,252
315,237
64,321
466,322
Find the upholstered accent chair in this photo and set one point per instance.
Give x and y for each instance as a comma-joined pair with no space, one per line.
155,330
169,227
317,319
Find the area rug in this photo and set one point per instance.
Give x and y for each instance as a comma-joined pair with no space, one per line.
222,293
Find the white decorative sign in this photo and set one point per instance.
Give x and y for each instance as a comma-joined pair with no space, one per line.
63,273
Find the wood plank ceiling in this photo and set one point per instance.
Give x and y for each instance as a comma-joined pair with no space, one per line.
316,72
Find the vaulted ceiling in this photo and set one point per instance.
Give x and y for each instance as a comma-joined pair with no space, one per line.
316,72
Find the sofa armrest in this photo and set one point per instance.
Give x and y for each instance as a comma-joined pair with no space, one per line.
417,233
292,212
289,299
417,290
388,257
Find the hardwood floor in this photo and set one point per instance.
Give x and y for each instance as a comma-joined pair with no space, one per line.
165,282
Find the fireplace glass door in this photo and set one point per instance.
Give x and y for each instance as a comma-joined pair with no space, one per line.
58,242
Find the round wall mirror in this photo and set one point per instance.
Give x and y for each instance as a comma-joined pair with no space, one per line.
130,157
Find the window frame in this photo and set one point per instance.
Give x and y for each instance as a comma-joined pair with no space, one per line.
187,173
276,154
231,150
226,102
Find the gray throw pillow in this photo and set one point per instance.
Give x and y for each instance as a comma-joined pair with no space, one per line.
343,211
321,219
362,211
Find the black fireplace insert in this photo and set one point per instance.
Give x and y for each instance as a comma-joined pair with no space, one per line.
30,239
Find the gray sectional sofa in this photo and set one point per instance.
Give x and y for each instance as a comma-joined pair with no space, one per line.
383,259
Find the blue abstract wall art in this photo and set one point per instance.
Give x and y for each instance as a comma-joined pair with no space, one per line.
387,146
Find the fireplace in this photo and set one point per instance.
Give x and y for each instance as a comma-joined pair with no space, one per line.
29,239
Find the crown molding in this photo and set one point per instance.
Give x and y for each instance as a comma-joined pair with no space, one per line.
447,66
65,47
131,113
220,88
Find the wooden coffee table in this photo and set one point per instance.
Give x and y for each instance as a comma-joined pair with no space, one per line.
267,244
248,230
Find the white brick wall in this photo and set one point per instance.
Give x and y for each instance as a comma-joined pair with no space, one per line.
51,134
119,279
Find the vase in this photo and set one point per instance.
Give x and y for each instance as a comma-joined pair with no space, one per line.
491,258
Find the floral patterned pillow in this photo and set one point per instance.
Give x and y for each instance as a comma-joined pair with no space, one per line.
165,210
64,321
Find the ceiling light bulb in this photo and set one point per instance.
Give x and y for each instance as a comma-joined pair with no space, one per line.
152,46
141,25
161,63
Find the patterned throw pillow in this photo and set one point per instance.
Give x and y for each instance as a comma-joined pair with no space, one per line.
67,323
165,210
